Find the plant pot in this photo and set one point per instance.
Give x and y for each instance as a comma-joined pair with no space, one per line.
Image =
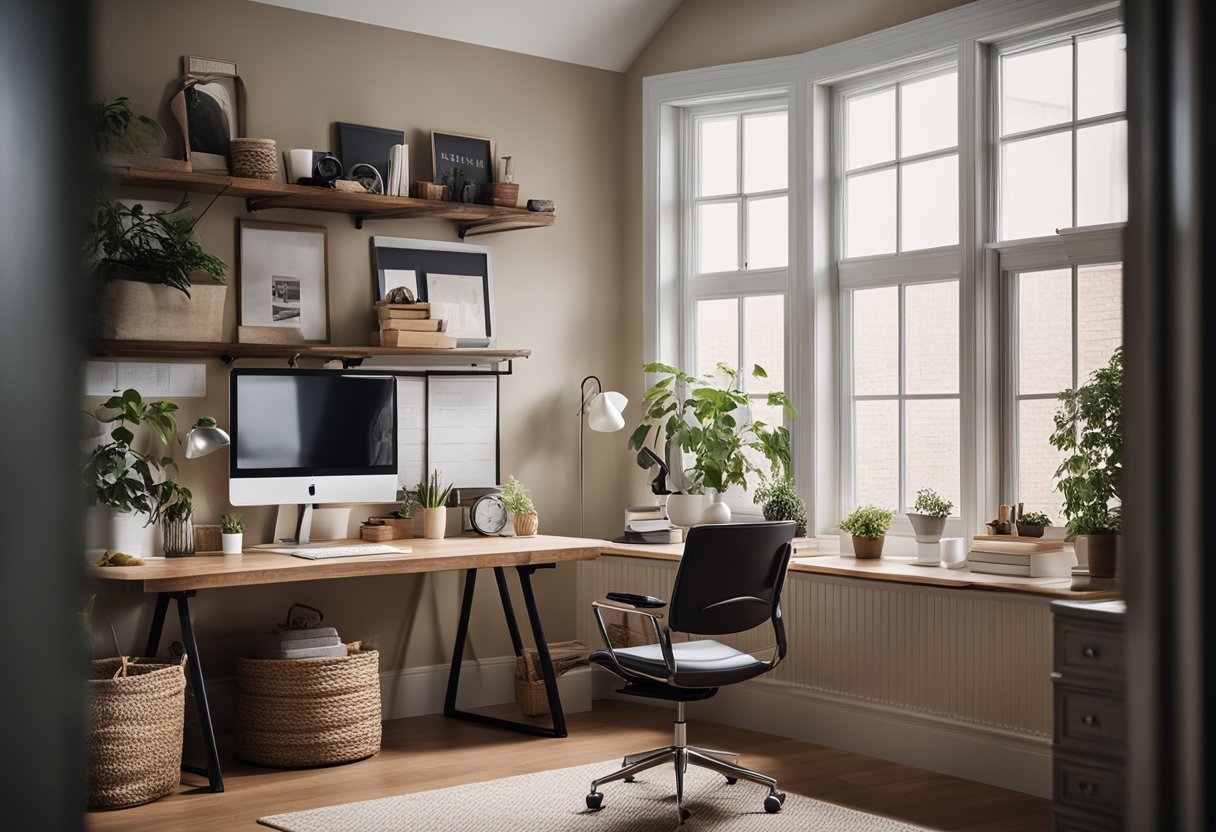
1030,530
717,511
928,529
178,538
998,528
685,509
526,525
434,523
119,531
234,544
502,194
131,310
1101,549
868,548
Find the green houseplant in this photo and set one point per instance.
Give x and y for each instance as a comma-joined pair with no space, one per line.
1089,432
118,127
928,515
779,500
515,498
1032,523
232,527
869,526
432,498
708,421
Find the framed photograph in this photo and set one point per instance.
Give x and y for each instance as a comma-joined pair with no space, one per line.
208,109
454,278
464,165
283,277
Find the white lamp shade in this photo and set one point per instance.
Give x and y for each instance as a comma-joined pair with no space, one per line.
604,414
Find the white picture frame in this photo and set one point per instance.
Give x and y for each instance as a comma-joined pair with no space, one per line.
283,277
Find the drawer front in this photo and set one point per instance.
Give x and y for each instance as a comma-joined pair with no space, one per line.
1064,820
1087,787
1089,719
1089,649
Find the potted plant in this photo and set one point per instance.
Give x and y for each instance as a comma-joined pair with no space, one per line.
433,498
709,420
928,515
869,526
779,500
1088,429
233,526
174,510
125,138
515,497
1032,523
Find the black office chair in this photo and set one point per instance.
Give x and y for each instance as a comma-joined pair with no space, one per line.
729,581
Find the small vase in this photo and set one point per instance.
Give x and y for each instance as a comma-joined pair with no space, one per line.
526,525
717,511
926,527
685,509
178,538
1101,549
868,548
234,544
434,523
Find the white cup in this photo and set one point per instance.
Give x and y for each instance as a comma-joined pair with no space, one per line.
299,164
954,552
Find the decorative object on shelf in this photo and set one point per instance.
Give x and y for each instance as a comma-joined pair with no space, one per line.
351,186
487,515
506,170
360,145
234,533
515,498
779,500
502,194
1088,430
869,526
458,159
269,335
208,537
601,411
1002,523
283,277
1032,523
126,138
428,190
928,515
432,497
210,109
254,159
366,175
298,163
375,531
540,206
411,325
326,170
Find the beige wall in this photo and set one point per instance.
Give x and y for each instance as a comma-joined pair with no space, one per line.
558,289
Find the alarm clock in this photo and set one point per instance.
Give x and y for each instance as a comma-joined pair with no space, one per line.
488,515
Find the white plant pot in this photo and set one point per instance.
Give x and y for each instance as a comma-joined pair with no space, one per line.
126,531
434,523
685,509
926,527
234,544
717,511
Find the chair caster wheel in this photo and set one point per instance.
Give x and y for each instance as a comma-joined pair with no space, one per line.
730,781
629,779
772,803
595,801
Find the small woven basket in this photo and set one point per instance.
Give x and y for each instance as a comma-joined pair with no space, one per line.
254,159
295,713
135,732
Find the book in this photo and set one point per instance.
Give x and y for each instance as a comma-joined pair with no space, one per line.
805,545
398,310
398,170
1017,546
1022,558
274,641
428,340
1045,565
303,653
415,324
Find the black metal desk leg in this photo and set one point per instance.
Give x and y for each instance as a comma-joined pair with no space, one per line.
462,634
158,625
512,626
195,668
542,649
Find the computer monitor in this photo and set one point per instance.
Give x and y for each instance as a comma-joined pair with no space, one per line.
312,436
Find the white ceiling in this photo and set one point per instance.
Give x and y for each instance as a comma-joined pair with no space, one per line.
606,34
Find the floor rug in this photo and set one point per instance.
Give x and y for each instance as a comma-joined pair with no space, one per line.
553,801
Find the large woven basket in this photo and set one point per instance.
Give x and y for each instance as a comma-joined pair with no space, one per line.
135,732
307,712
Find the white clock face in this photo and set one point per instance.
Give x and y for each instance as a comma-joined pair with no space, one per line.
488,515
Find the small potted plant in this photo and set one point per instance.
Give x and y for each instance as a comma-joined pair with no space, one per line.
173,508
779,500
928,515
517,501
869,526
1032,523
233,526
433,498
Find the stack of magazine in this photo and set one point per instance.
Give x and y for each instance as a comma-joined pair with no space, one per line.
299,643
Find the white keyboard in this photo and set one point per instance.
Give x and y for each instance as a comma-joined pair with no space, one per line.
354,551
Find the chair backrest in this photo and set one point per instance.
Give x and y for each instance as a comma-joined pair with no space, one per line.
730,577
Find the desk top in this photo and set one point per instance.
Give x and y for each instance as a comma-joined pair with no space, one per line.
260,567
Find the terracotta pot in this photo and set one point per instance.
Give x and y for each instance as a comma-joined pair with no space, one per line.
1101,549
928,529
526,525
868,548
434,523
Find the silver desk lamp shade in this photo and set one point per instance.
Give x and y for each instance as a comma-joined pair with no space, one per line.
205,438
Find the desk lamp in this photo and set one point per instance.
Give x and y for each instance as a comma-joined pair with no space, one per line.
205,438
603,412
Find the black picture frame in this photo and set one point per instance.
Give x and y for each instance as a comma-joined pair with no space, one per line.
458,160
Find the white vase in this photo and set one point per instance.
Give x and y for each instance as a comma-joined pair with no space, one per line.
685,509
434,523
717,511
129,532
234,544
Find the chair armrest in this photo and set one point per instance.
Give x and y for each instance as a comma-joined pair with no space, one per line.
662,635
628,610
643,601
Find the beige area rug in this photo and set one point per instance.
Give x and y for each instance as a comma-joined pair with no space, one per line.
553,801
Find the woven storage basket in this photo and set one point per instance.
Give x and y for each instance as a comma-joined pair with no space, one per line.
135,732
254,159
307,712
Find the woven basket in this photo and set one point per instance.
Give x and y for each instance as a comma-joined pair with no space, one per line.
307,712
135,732
254,159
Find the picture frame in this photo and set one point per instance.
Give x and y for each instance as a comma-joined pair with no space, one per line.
283,277
456,279
210,110
463,164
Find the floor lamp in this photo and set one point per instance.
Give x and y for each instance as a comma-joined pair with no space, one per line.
602,413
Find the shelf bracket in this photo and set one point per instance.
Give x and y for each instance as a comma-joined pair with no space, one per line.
251,205
351,363
359,221
294,362
228,359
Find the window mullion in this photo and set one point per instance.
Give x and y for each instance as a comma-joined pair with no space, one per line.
903,406
899,172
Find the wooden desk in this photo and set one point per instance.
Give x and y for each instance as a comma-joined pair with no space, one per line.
179,579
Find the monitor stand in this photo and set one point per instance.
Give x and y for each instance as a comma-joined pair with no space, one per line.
303,525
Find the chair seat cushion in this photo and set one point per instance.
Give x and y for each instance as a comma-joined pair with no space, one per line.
699,664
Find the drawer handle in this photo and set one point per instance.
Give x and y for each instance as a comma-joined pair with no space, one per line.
1087,788
1089,651
1090,719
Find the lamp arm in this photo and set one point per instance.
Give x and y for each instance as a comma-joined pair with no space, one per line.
587,396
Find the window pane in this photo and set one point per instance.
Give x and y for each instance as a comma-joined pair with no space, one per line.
931,338
771,416
765,152
876,342
928,117
717,334
929,204
1102,174
1101,75
718,237
768,233
764,342
718,171
1036,88
1037,459
1036,186
1099,316
933,442
870,127
876,453
870,219
1044,331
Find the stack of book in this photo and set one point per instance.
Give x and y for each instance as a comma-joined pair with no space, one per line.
299,643
411,325
1025,557
651,532
805,546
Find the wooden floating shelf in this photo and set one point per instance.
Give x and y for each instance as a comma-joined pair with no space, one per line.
471,219
231,351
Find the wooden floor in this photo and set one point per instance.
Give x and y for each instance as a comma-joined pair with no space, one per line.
432,752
